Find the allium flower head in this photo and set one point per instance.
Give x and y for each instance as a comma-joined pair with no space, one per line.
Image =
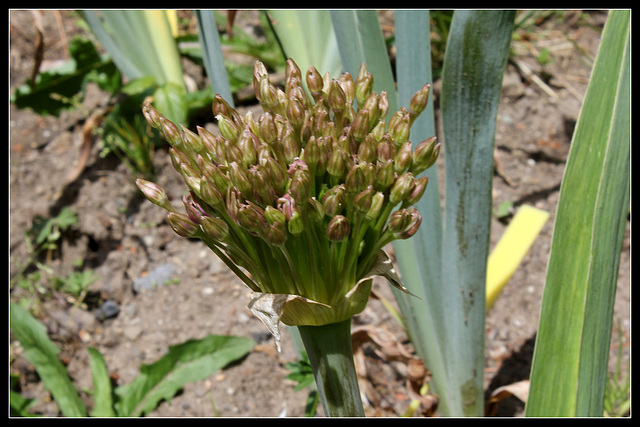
300,201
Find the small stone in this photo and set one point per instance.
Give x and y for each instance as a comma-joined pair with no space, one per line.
156,277
108,310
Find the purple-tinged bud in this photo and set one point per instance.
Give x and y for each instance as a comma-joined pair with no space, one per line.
360,126
251,217
289,145
417,190
362,201
268,94
314,83
210,194
232,151
338,228
193,209
268,130
333,200
275,234
191,140
367,149
356,181
261,184
337,164
377,201
385,174
259,73
403,158
278,175
317,210
371,105
215,228
182,225
239,178
155,194
337,98
228,128
413,225
401,130
383,104
291,70
287,206
346,82
171,132
209,143
300,187
295,112
152,115
379,130
401,188
386,149
419,100
247,143
425,155
363,85
311,153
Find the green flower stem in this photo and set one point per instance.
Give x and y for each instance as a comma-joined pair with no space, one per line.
331,356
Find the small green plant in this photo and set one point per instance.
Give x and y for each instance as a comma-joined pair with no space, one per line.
190,361
302,373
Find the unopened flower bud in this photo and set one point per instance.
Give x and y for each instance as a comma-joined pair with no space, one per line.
210,194
401,130
317,210
215,228
247,143
191,140
337,163
228,128
333,200
346,82
337,98
239,178
295,112
338,228
268,130
425,155
314,83
268,94
296,223
275,234
300,187
376,205
155,194
385,174
362,201
171,132
417,190
360,126
383,104
419,100
403,158
182,225
356,180
251,217
273,215
363,85
152,115
401,188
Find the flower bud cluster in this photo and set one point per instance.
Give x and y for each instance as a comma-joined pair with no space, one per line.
304,196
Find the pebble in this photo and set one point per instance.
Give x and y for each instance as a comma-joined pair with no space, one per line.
108,310
156,277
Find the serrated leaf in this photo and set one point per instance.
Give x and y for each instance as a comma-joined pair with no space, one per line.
190,361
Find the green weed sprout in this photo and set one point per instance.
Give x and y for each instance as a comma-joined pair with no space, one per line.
300,201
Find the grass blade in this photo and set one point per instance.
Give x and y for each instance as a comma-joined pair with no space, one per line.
570,360
43,354
474,63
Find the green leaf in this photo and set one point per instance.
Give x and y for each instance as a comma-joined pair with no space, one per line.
102,391
572,346
307,36
212,54
170,100
42,353
360,40
190,361
474,63
57,89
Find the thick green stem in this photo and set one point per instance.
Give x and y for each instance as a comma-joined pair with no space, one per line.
331,356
